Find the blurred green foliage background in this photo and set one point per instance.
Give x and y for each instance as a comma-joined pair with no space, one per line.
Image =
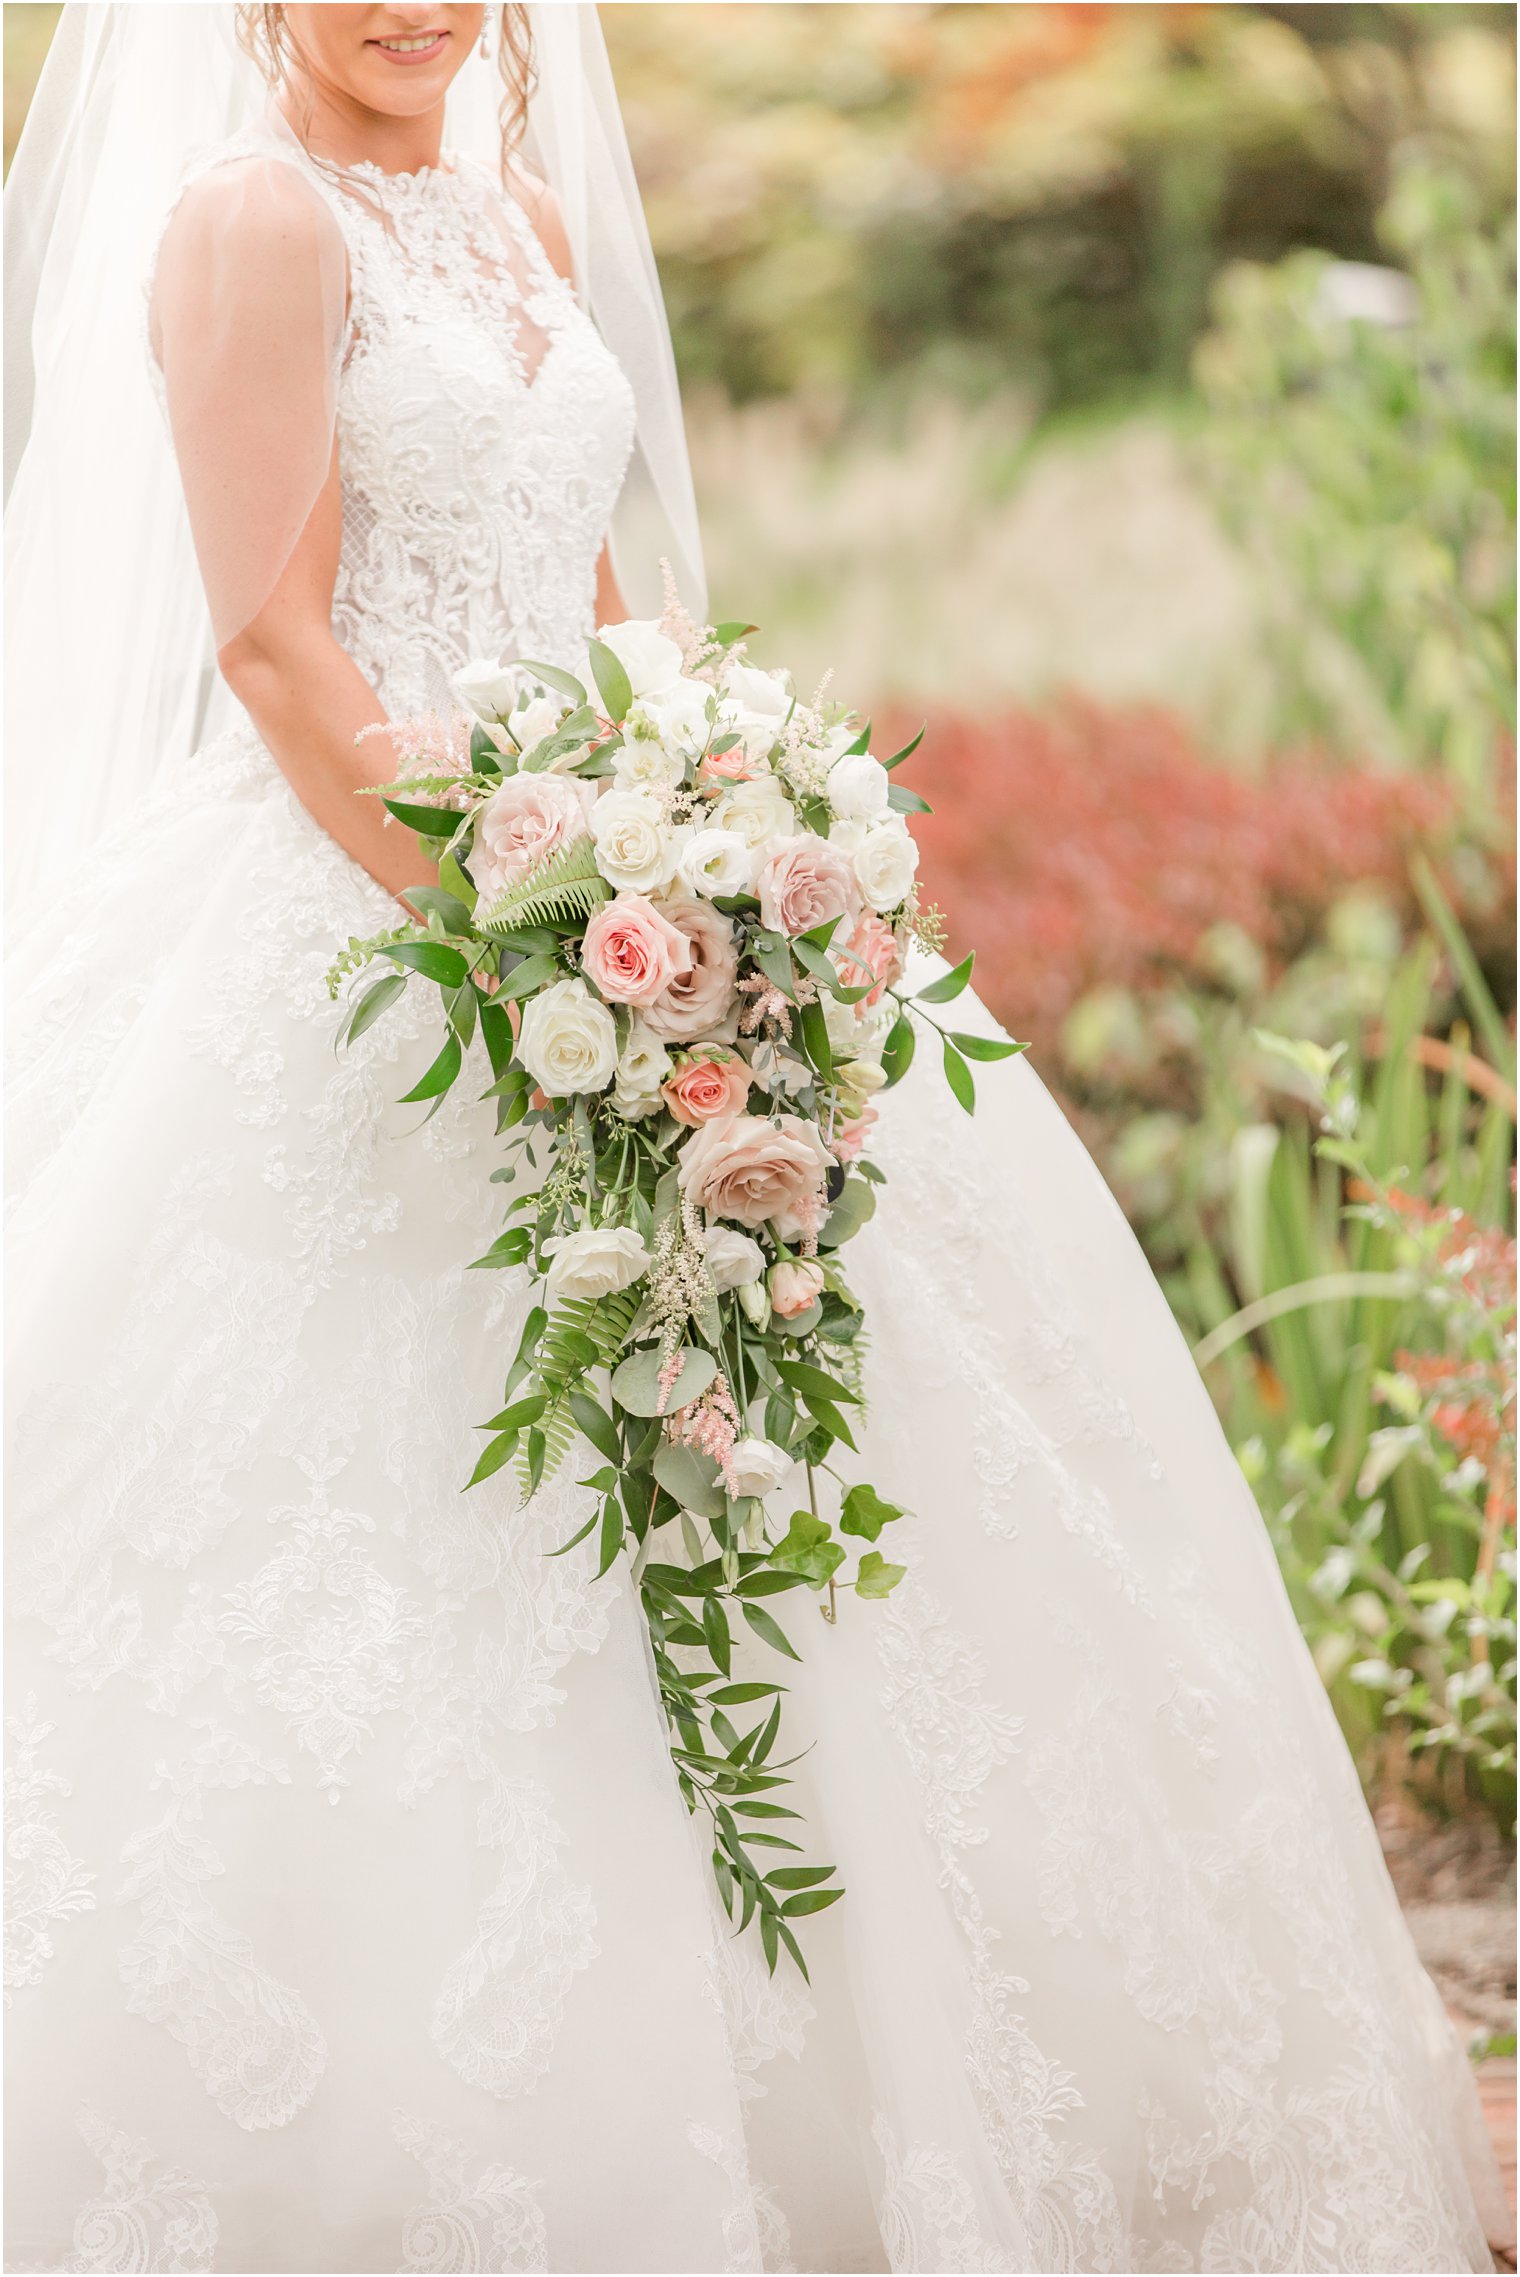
1131,390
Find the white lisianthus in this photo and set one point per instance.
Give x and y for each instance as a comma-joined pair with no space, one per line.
648,656
717,862
635,848
643,764
489,689
757,811
758,1466
677,716
886,862
733,1260
643,1064
595,1263
857,787
568,1040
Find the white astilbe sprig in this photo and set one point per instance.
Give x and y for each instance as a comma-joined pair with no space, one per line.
678,624
679,1286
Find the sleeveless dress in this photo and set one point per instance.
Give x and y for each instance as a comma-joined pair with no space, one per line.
354,1921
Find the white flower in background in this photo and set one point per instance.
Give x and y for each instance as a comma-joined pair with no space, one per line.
568,1040
650,659
647,765
755,707
757,811
532,721
595,1263
759,1467
635,848
857,787
856,1033
885,860
489,689
677,716
643,1064
717,862
733,1260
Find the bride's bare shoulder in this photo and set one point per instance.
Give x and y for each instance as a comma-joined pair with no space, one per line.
541,206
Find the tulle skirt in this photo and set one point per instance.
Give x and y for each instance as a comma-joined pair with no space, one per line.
354,1920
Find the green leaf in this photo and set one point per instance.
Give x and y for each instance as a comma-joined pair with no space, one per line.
768,1631
715,1630
433,959
798,1877
553,677
509,1248
597,1425
499,1451
985,1047
813,1383
861,744
809,1549
612,680
815,1037
906,752
737,1695
438,902
612,1537
958,1076
636,1384
897,1052
866,1513
520,1412
856,1204
726,634
876,1578
439,1076
903,801
372,1003
527,979
811,1901
578,1536
427,821
949,985
833,1422
692,1479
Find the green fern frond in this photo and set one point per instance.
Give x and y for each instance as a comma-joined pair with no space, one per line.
561,1364
561,891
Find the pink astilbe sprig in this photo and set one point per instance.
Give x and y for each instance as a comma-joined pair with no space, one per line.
432,754
677,623
679,1287
766,1004
709,1425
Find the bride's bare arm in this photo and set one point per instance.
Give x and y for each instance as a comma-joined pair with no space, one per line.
308,699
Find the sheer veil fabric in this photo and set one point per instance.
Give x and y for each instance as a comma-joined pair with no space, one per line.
353,1920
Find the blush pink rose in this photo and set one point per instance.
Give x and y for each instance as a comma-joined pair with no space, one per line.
748,1169
700,996
522,823
794,1284
804,883
734,766
631,952
872,953
849,1138
704,1087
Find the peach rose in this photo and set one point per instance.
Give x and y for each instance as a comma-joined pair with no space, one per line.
850,1137
701,994
706,1086
794,1284
527,819
871,954
749,1170
631,952
805,881
735,766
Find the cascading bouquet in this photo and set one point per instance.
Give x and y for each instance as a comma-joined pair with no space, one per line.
677,914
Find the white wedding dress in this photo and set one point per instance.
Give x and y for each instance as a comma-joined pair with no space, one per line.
354,1922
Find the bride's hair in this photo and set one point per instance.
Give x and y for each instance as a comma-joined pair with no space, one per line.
263,35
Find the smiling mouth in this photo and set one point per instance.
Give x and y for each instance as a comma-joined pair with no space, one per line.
411,47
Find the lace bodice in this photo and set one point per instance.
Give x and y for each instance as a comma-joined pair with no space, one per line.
483,427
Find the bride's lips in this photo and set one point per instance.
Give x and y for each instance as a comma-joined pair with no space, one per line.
436,43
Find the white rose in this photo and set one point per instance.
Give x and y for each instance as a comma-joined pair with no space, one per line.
539,717
676,716
757,811
649,658
857,787
643,1064
768,695
595,1263
635,850
489,689
733,1260
717,862
643,764
568,1040
886,861
758,1467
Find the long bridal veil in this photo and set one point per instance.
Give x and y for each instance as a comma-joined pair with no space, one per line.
111,673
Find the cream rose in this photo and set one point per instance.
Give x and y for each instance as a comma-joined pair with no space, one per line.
700,997
489,689
857,787
759,1467
758,810
706,1085
716,862
648,656
751,1170
643,764
595,1263
885,861
524,821
567,1040
733,1260
802,883
793,1285
643,1064
635,848
631,952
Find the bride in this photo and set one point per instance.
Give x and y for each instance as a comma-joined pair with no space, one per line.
354,1919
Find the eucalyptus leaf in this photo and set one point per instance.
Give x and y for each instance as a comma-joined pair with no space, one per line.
636,1384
